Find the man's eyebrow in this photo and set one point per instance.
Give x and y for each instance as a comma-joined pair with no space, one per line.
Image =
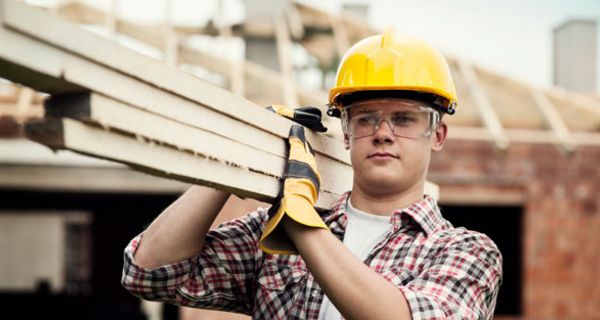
364,110
405,111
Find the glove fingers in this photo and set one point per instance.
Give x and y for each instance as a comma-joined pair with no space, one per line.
309,117
310,121
313,118
319,127
306,119
312,110
282,110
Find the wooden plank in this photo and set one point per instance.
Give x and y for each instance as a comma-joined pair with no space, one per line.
89,76
584,138
578,100
158,159
42,25
73,135
43,74
112,114
253,72
110,83
484,105
553,119
184,110
67,72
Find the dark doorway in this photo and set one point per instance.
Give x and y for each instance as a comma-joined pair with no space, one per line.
504,225
116,218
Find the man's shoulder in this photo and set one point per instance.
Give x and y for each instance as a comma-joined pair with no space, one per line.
252,221
461,238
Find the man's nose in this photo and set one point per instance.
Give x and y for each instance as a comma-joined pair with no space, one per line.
383,132
388,128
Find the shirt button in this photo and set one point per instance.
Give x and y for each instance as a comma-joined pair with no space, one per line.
314,293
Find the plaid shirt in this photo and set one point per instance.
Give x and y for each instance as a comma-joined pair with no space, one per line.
443,272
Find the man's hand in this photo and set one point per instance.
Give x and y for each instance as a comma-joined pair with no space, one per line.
298,198
309,117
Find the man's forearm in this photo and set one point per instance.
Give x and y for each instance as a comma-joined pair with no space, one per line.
178,232
357,291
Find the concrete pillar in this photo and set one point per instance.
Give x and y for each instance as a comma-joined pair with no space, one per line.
575,55
260,30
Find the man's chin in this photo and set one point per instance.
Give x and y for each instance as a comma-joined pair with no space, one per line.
384,183
383,174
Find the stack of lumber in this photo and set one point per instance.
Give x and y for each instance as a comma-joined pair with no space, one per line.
112,103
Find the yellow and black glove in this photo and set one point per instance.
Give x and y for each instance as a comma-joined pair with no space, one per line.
298,197
309,117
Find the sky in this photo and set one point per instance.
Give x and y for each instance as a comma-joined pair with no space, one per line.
511,37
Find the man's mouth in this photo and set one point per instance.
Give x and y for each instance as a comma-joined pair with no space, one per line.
381,155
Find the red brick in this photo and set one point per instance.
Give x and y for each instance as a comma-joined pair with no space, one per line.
561,223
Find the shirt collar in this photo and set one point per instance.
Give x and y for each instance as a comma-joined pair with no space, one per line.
424,213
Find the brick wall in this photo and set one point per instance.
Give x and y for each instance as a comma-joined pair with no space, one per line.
559,194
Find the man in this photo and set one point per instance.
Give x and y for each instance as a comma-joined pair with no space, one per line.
382,252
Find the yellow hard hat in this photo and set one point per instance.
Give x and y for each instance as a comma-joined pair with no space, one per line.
386,64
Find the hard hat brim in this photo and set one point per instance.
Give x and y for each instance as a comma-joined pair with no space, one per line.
441,99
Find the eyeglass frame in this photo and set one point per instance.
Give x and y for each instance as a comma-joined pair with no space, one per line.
434,120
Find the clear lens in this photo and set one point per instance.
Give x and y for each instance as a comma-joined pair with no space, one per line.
412,123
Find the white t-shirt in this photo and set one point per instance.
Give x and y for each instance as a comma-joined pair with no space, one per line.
363,232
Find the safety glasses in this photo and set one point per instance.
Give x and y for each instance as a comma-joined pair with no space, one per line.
407,121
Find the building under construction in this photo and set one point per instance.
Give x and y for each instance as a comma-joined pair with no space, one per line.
520,164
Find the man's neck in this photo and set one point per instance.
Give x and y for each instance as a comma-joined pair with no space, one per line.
383,204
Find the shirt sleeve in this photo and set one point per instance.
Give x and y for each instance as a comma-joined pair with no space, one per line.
220,277
461,282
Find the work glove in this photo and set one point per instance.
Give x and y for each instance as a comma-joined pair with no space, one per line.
298,197
309,117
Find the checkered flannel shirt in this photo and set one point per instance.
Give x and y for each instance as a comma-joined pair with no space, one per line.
442,271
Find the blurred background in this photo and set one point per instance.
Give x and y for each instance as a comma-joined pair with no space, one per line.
521,164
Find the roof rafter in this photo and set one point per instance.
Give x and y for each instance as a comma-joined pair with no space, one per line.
484,105
553,119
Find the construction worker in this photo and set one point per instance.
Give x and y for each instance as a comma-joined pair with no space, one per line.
383,251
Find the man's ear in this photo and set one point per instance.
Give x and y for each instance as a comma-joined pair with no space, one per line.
439,136
346,141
